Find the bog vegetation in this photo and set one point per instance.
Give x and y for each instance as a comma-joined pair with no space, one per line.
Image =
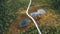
49,24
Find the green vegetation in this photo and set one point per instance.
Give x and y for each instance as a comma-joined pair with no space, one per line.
8,9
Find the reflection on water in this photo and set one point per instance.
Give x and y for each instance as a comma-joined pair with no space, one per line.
40,11
25,21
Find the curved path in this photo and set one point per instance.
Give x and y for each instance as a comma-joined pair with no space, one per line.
32,18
